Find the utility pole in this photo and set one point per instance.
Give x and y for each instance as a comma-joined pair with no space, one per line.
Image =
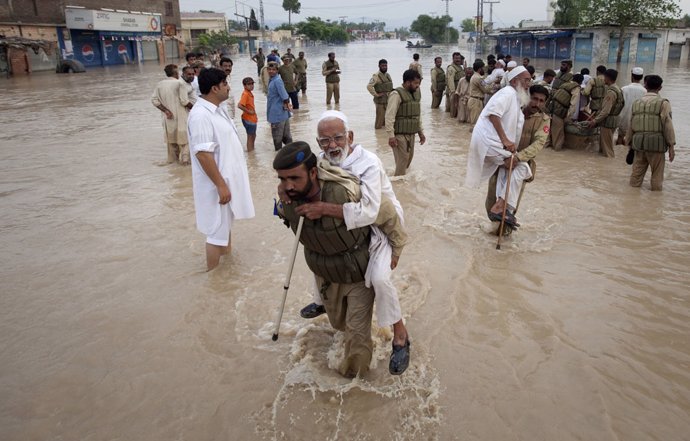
261,13
479,26
447,14
246,21
491,12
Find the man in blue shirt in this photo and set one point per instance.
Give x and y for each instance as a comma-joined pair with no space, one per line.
278,108
273,56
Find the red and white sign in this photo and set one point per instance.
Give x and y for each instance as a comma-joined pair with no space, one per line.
87,52
122,49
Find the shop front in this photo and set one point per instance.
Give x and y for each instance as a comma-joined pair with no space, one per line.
102,38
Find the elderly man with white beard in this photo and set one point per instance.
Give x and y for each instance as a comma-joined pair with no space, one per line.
378,208
494,141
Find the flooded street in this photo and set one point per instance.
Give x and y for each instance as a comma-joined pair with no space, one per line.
111,330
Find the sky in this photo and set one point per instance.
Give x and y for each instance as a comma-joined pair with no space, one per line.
394,13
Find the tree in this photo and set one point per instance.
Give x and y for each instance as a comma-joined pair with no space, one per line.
253,24
292,7
567,12
284,27
316,29
468,25
216,40
650,14
402,33
685,21
433,29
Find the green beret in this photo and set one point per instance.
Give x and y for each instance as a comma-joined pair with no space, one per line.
292,155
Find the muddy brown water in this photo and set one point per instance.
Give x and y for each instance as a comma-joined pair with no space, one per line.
111,330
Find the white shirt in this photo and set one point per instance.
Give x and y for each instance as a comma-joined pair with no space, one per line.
195,86
212,130
373,183
506,106
631,93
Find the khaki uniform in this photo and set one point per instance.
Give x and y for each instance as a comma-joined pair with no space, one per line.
535,134
475,99
171,94
380,81
463,95
453,75
656,160
418,67
404,152
300,66
332,80
606,133
437,90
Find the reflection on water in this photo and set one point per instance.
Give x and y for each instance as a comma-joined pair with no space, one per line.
109,328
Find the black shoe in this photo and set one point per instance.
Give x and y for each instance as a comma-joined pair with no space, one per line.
312,310
400,359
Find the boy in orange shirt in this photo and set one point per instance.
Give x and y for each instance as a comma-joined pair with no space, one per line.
249,119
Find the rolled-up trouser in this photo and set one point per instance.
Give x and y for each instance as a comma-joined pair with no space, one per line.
521,172
332,89
655,160
380,116
436,100
349,308
403,153
302,81
605,141
281,134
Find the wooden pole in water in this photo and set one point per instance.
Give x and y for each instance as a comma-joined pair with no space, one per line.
505,204
288,276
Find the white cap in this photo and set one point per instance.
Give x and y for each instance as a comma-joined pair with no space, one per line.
512,65
637,71
501,62
331,114
515,72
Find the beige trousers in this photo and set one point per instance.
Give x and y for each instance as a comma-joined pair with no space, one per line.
380,116
403,153
557,132
605,141
332,89
349,308
474,109
178,152
436,100
643,160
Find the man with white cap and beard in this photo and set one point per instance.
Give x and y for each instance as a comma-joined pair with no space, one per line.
494,141
377,208
511,65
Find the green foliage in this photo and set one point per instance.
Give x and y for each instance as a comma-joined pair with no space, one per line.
216,40
433,29
468,25
567,12
292,7
402,33
253,24
316,29
285,27
234,25
685,20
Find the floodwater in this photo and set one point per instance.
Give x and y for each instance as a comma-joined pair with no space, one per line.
111,330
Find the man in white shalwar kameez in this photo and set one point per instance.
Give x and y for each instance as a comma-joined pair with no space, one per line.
219,171
494,141
335,139
171,98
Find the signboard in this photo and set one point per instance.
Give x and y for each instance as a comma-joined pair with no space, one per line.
92,20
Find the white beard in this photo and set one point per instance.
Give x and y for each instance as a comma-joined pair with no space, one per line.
337,160
523,97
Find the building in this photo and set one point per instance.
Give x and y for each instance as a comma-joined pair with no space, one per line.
94,32
194,24
596,45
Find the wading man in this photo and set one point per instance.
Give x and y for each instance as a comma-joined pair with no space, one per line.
220,181
380,85
403,121
171,98
331,70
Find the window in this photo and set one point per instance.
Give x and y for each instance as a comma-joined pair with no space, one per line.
194,33
168,9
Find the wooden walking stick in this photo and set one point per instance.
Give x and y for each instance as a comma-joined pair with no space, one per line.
288,276
522,189
505,204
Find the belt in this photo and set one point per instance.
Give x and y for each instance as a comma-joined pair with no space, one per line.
477,97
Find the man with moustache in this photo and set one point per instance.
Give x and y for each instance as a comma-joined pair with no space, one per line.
289,77
454,72
378,208
438,83
535,133
171,98
463,96
563,103
380,85
494,143
300,66
220,180
331,70
186,81
226,65
475,101
631,93
403,120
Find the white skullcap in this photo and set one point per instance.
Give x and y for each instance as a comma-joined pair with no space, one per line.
515,72
637,71
330,114
512,64
501,62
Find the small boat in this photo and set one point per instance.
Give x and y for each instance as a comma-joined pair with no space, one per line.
417,45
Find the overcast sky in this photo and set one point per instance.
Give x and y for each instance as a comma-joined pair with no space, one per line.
394,13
